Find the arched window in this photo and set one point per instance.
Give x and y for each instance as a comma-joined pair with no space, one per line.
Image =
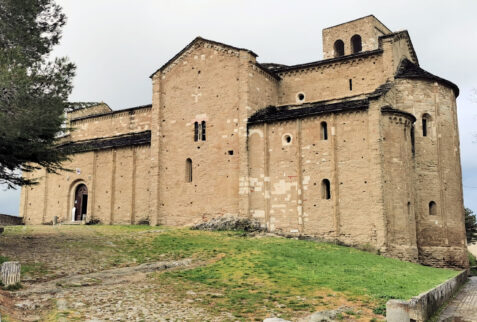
325,189
356,45
188,170
199,131
432,208
339,48
196,131
324,131
426,120
203,130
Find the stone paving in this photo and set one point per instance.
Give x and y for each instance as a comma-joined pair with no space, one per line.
463,308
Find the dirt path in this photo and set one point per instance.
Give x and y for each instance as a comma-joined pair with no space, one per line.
126,294
107,277
86,273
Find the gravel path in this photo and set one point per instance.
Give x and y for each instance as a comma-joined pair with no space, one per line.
77,280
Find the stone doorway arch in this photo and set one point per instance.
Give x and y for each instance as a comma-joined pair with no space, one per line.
80,202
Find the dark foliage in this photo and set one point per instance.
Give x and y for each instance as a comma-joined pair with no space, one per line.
94,221
470,225
33,88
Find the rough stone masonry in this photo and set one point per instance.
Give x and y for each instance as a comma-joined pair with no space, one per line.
361,148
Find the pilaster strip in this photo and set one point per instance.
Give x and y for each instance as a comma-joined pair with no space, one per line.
113,186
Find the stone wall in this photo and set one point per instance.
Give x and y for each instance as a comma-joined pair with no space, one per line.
398,185
8,220
112,124
203,85
441,234
288,163
117,181
332,80
422,307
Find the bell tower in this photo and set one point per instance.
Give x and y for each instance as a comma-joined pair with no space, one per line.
353,37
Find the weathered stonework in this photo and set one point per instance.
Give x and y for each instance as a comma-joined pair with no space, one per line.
334,148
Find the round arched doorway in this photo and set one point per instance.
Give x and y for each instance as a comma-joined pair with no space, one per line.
81,202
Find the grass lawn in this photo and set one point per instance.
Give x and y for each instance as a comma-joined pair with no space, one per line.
258,275
248,277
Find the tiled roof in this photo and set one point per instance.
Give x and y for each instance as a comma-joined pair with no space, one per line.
289,112
273,66
390,109
407,69
131,109
74,106
130,139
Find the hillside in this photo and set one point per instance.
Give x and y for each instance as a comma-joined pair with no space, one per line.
100,272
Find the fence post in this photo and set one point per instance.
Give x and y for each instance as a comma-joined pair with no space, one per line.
10,273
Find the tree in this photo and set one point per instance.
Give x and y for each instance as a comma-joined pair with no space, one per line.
470,225
33,88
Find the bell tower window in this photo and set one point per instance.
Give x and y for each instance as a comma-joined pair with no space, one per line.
356,44
339,48
202,125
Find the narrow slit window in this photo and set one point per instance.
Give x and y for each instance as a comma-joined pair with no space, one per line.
413,140
325,189
350,84
188,170
203,130
324,131
426,118
196,131
432,208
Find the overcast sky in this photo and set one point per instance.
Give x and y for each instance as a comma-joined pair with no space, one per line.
117,44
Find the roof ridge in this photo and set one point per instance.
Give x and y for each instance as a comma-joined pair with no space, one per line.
353,20
196,39
111,113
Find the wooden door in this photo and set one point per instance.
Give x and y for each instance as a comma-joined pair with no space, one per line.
81,202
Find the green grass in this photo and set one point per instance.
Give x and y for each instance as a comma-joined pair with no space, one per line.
252,278
472,263
3,259
266,272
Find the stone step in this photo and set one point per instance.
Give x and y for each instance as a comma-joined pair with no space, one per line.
72,223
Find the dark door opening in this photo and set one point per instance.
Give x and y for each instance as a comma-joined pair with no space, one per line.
81,202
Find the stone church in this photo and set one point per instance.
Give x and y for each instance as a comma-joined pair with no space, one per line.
361,147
